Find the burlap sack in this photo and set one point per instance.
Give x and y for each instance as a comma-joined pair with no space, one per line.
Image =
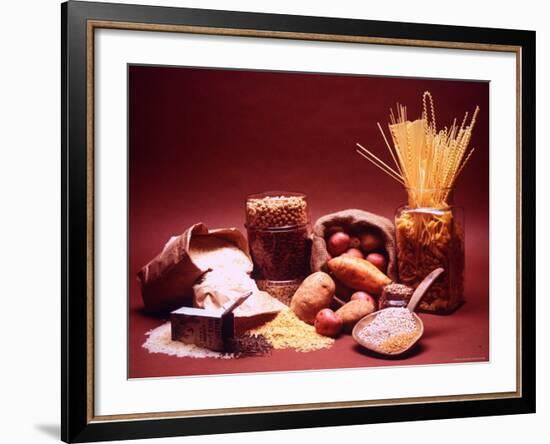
206,269
356,222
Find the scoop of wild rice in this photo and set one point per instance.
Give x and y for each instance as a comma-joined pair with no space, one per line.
388,323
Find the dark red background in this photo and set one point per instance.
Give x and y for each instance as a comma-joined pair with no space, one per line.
203,139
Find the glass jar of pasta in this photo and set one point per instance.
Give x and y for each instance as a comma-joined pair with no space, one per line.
429,234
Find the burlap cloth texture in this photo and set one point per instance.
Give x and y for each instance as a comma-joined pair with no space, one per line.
354,222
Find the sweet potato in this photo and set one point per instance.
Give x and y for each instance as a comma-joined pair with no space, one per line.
353,311
314,294
358,274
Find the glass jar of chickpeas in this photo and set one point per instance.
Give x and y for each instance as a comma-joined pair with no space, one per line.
278,228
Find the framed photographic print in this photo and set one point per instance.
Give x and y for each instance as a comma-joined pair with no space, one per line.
260,207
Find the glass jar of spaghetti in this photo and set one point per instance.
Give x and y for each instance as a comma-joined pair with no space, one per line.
429,234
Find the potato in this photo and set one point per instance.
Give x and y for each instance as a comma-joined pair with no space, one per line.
358,274
338,243
327,323
314,294
334,229
378,260
353,311
354,242
342,291
370,242
363,296
354,252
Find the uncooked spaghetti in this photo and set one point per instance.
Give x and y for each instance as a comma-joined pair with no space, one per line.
427,162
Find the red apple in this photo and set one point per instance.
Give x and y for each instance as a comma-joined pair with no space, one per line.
378,260
354,252
338,243
328,323
363,296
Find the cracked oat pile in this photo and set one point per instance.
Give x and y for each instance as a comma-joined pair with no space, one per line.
286,330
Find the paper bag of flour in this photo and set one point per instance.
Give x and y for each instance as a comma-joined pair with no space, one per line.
204,268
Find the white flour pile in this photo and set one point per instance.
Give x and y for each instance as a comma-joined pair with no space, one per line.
228,278
209,252
159,340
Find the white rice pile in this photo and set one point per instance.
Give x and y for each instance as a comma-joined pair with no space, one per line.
389,322
159,340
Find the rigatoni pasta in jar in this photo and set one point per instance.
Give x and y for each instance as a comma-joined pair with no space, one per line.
428,238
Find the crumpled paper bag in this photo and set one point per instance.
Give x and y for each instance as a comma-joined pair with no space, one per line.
207,269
